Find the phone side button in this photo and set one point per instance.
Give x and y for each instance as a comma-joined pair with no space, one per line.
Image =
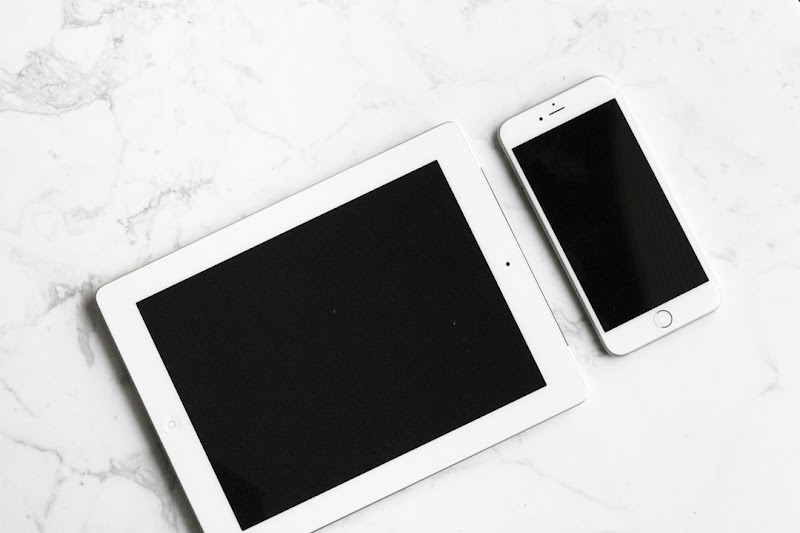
663,319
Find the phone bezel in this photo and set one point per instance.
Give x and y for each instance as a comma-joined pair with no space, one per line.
554,112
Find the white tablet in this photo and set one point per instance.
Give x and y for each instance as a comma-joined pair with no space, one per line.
342,344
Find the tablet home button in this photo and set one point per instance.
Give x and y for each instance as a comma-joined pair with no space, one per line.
171,424
663,319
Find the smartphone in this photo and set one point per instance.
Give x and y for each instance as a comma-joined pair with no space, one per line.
605,208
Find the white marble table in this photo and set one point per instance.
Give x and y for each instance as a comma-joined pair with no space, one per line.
130,128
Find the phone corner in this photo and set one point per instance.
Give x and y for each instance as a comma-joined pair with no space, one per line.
615,349
601,80
712,294
510,136
502,134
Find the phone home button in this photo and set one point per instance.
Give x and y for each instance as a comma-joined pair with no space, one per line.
663,319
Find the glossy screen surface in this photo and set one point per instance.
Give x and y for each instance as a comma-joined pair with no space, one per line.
610,215
339,345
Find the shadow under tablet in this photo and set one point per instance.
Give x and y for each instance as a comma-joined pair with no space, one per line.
340,345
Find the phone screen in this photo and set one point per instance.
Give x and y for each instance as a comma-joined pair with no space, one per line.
610,215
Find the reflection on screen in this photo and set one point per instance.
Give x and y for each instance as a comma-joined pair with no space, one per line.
340,345
610,215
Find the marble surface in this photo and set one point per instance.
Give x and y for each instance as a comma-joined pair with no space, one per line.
129,128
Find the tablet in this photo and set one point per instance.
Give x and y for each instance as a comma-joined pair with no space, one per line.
343,343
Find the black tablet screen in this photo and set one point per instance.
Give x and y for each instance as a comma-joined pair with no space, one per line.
340,345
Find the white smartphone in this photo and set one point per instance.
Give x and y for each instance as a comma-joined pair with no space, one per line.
605,208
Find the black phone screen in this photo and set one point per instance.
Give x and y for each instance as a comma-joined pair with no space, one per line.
341,344
610,215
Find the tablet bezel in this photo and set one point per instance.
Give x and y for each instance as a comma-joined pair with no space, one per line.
445,144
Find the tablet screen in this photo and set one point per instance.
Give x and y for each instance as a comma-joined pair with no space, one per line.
340,344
